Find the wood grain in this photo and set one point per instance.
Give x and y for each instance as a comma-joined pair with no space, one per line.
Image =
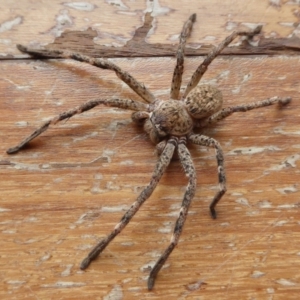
72,184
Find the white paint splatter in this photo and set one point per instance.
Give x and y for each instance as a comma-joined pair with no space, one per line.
287,24
175,206
114,208
126,280
90,215
16,282
67,271
112,187
290,161
5,42
195,286
156,9
243,201
45,257
21,124
174,37
246,78
4,209
275,3
264,204
127,162
257,274
29,167
280,223
107,154
231,26
8,25
153,253
225,224
85,247
279,130
96,188
252,26
9,231
214,81
128,244
87,136
236,194
285,282
115,294
252,150
170,214
98,176
148,266
208,38
136,288
287,190
236,90
63,284
287,206
45,166
118,3
166,229
63,21
85,6
81,219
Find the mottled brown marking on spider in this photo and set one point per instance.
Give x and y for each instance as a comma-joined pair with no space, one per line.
169,124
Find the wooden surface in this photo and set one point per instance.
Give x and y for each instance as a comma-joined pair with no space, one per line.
73,184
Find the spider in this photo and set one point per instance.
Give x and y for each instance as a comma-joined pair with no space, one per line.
169,125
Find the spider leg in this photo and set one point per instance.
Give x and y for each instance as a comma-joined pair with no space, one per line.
213,54
177,74
160,168
189,169
115,102
210,142
102,63
227,111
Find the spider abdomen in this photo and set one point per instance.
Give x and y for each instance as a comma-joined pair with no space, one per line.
203,101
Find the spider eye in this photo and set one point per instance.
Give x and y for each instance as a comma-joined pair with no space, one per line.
159,124
161,130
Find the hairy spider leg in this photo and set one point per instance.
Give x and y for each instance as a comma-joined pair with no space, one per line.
138,87
115,102
161,165
210,142
190,172
227,111
213,54
178,71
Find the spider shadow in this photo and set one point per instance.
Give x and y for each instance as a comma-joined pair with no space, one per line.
82,71
90,76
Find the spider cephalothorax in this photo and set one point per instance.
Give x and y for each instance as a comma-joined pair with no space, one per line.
168,118
169,124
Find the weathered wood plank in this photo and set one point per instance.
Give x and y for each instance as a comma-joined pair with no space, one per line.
71,186
95,28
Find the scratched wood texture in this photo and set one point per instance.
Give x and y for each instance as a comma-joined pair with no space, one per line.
72,184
